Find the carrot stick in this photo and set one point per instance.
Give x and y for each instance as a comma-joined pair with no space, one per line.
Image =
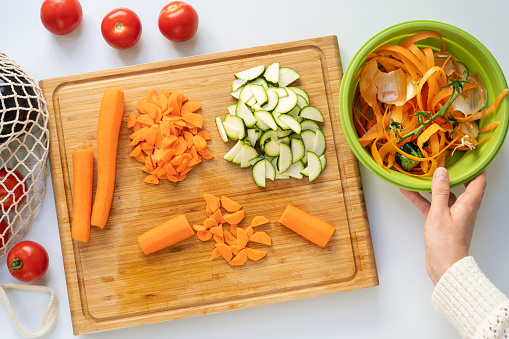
83,171
165,235
315,230
108,129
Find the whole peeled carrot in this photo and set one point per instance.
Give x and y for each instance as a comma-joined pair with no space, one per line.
83,173
108,129
166,234
310,227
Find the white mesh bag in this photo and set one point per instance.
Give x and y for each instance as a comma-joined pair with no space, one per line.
24,143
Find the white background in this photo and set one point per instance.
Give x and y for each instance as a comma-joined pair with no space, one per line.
400,307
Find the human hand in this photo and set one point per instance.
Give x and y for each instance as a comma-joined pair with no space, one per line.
449,221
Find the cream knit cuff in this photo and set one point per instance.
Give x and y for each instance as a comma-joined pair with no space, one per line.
466,297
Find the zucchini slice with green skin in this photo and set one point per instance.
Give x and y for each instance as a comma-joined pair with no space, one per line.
312,113
309,138
295,113
285,140
232,109
281,133
272,100
319,147
301,92
244,112
232,153
246,94
251,136
237,83
301,102
271,147
259,173
270,171
278,174
266,135
260,81
266,118
250,74
298,150
281,92
236,93
314,165
291,122
248,154
220,128
255,160
285,157
309,124
272,73
305,172
287,75
262,126
287,103
278,121
259,93
323,161
294,170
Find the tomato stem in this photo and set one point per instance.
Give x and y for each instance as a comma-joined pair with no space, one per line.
119,26
16,264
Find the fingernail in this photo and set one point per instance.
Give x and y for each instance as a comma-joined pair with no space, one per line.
441,174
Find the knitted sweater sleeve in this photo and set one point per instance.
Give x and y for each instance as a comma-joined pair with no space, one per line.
471,302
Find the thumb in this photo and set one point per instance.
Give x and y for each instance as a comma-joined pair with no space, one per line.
440,191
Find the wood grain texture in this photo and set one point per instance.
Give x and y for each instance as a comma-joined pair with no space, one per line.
112,284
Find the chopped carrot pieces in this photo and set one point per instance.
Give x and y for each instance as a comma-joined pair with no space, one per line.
259,220
215,253
204,235
229,238
230,205
225,251
233,229
254,254
249,231
212,201
210,222
199,228
242,238
262,238
218,215
234,218
240,259
218,239
218,230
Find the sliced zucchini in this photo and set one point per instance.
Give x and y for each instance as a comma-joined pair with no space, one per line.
234,127
259,93
272,100
250,74
271,147
287,103
238,158
248,154
251,102
298,150
281,133
311,112
323,161
301,92
266,118
285,157
272,73
280,123
266,135
278,174
281,92
256,107
287,75
236,93
291,122
309,124
295,113
244,112
270,171
294,170
251,136
255,160
220,128
246,94
301,102
308,137
259,173
260,81
314,165
305,172
237,83
285,140
234,151
319,147
262,126
232,108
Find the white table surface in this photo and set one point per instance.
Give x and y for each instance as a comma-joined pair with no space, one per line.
400,307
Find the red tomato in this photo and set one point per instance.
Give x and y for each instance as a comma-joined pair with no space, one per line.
3,237
121,28
12,188
28,261
178,21
61,16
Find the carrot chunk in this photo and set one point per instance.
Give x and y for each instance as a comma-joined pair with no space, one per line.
83,171
261,237
254,254
234,218
312,228
242,238
259,220
204,235
230,205
165,235
225,251
240,259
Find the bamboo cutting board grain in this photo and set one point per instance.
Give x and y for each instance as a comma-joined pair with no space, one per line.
112,284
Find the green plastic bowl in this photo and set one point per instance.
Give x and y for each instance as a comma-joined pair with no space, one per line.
463,166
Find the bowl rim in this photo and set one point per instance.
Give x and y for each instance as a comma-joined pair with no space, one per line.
345,112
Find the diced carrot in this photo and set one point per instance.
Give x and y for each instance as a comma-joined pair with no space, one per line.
234,218
182,166
150,96
242,238
254,254
210,222
188,137
147,148
205,135
225,251
259,220
212,201
166,234
217,230
199,227
195,120
215,254
131,121
234,249
250,232
189,107
230,205
218,239
176,160
208,211
170,169
218,215
199,142
205,235
181,146
312,228
135,152
240,259
186,156
151,179
145,119
205,154
135,141
229,238
139,105
262,238
233,229
193,162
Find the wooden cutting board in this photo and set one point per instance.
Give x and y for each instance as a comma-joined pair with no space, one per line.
112,284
